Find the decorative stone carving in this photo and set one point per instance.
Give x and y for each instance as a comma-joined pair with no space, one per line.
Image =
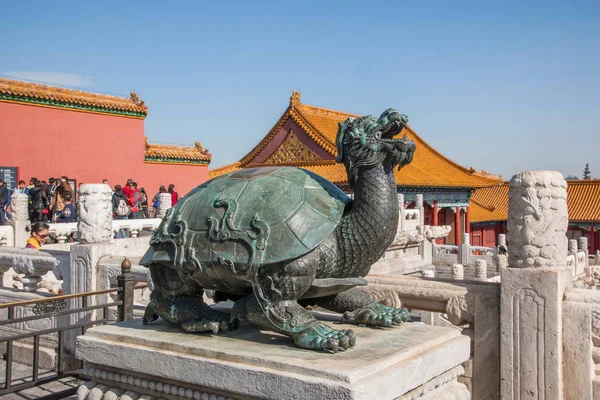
432,233
292,150
573,246
419,201
537,220
428,273
457,272
481,270
583,243
114,381
20,206
459,309
164,203
406,239
94,213
33,263
501,261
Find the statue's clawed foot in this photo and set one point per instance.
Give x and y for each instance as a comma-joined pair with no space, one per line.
322,337
190,312
376,314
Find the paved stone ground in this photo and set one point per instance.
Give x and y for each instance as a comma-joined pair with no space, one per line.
23,373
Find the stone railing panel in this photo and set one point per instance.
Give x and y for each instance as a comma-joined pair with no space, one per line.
472,305
7,236
581,344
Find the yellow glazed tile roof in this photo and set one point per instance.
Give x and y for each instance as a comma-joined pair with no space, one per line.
583,200
178,154
44,95
429,167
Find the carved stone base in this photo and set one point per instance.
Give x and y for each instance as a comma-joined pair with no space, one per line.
131,360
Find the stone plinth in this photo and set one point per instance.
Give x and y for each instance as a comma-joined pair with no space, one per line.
94,212
413,360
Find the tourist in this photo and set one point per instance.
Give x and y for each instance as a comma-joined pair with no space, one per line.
68,212
174,195
3,202
51,193
144,204
32,184
22,188
156,199
39,233
40,202
105,181
126,187
65,187
121,208
134,200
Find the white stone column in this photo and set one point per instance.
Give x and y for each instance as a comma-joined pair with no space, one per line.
94,213
164,203
533,287
481,270
20,213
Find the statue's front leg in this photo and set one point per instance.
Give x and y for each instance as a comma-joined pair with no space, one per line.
182,303
360,308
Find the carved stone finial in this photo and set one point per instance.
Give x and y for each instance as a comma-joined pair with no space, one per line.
126,265
537,220
295,98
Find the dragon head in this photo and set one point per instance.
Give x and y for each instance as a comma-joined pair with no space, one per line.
367,142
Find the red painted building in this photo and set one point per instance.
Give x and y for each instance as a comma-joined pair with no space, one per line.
49,132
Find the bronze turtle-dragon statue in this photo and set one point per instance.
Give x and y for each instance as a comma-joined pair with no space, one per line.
275,239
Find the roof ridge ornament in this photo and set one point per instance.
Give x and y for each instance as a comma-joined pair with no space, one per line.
295,98
136,99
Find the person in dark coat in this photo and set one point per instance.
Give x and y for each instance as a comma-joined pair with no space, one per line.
3,202
40,202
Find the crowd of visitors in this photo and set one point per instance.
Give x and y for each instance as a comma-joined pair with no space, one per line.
49,201
129,202
53,200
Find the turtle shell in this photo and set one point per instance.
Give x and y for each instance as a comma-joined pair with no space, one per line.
254,216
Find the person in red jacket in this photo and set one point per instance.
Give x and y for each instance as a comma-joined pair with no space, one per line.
174,195
134,200
126,188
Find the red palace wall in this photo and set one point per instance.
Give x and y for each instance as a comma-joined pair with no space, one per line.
51,142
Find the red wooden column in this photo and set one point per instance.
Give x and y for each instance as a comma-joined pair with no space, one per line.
435,213
468,220
457,226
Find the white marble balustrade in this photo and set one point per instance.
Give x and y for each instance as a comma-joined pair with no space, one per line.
132,226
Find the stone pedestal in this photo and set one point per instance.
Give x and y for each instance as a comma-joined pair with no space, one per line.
159,360
94,212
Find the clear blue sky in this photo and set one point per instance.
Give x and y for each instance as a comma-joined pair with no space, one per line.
502,86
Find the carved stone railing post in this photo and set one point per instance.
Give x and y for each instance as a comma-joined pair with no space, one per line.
597,257
457,272
464,250
481,270
533,287
583,246
419,206
164,203
94,211
20,213
401,213
34,264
